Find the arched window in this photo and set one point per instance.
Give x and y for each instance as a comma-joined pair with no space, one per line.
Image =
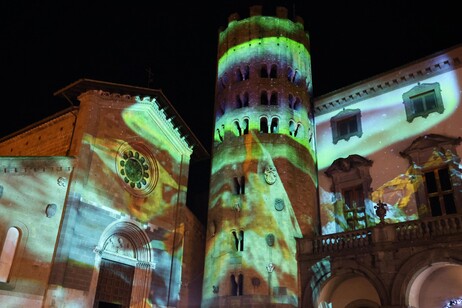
245,101
264,71
239,185
222,83
219,135
220,111
238,101
8,252
240,285
291,127
275,125
246,126
290,73
237,285
298,130
238,130
274,99
297,105
239,76
274,71
264,98
295,77
238,240
291,101
246,72
263,125
233,285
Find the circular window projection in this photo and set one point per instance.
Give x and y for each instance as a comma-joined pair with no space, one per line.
137,168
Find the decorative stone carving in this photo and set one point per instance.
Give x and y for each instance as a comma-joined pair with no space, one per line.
137,168
50,210
279,204
381,211
270,175
270,267
62,181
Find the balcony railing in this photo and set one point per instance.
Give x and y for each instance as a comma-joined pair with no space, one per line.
422,229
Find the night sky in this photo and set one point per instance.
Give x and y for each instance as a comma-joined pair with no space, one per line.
45,47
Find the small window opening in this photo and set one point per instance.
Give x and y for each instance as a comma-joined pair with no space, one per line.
239,240
274,71
264,71
290,74
237,285
239,185
275,125
246,72
274,99
239,76
291,101
238,101
246,126
297,104
297,130
263,125
291,128
238,128
220,136
245,102
264,98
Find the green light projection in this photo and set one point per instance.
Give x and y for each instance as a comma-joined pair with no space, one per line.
282,224
286,51
274,165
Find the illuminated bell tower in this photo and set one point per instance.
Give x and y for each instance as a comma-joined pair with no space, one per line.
263,172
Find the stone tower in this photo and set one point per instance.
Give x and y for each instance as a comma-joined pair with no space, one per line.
263,172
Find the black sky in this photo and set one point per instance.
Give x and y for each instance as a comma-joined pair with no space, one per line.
46,46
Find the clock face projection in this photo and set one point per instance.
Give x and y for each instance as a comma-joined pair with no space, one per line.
137,168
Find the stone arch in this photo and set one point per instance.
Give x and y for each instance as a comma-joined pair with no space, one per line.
324,285
362,303
418,266
134,250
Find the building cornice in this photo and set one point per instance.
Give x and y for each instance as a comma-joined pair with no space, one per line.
412,73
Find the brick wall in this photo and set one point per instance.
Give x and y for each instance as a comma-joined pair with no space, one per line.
50,137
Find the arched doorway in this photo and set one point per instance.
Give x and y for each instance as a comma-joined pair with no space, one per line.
124,257
438,285
349,290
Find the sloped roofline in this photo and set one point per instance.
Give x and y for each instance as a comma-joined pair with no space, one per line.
72,92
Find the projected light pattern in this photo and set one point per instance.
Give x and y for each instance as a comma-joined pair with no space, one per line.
263,179
399,195
386,131
28,185
388,111
126,195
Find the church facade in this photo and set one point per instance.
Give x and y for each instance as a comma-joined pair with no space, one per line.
93,205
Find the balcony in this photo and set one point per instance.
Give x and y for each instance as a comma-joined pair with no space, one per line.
437,230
